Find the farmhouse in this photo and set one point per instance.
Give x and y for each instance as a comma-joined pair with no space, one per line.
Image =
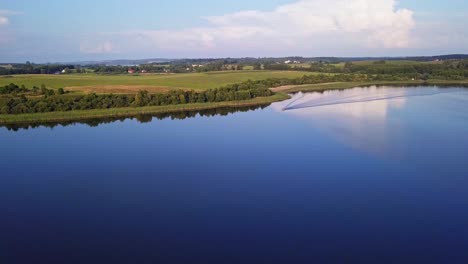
131,71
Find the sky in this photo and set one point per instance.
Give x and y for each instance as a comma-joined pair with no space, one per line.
65,31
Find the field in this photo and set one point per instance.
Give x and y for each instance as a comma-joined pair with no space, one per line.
152,83
388,62
299,65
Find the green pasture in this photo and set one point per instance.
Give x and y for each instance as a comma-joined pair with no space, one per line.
196,81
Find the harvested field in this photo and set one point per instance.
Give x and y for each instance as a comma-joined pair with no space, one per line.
120,89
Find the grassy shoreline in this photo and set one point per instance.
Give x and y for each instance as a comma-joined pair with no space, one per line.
280,95
132,111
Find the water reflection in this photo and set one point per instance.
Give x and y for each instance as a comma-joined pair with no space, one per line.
359,95
181,115
364,118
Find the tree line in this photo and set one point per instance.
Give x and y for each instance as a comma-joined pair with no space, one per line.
448,70
13,89
31,68
20,101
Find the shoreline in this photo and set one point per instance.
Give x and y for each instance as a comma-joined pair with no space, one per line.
81,115
281,94
320,87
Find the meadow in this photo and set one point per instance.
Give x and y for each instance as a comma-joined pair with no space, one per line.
151,82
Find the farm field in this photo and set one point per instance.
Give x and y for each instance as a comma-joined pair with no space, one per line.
153,82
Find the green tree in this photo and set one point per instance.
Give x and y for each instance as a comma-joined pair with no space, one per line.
141,98
182,99
4,110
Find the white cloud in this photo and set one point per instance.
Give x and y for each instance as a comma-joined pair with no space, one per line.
303,26
4,14
4,20
5,34
377,19
4,17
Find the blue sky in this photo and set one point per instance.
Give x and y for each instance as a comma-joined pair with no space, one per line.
56,30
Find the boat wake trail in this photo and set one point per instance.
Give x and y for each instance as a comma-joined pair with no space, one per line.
349,97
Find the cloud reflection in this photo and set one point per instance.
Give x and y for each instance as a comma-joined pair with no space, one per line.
364,125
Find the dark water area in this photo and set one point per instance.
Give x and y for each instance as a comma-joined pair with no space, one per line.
365,175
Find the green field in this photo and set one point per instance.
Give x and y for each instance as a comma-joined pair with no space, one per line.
196,81
300,65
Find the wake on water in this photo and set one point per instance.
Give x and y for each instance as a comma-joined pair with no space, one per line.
358,95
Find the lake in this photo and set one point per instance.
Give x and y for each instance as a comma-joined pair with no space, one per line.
347,176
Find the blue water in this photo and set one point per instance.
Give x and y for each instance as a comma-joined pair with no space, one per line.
367,181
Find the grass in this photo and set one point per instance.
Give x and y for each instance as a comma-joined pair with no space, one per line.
299,65
131,111
196,81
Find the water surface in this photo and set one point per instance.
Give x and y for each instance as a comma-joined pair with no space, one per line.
362,175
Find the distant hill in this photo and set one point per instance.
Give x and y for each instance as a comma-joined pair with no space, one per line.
412,58
249,60
121,62
448,57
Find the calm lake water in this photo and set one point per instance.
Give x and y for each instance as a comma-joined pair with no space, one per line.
354,176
